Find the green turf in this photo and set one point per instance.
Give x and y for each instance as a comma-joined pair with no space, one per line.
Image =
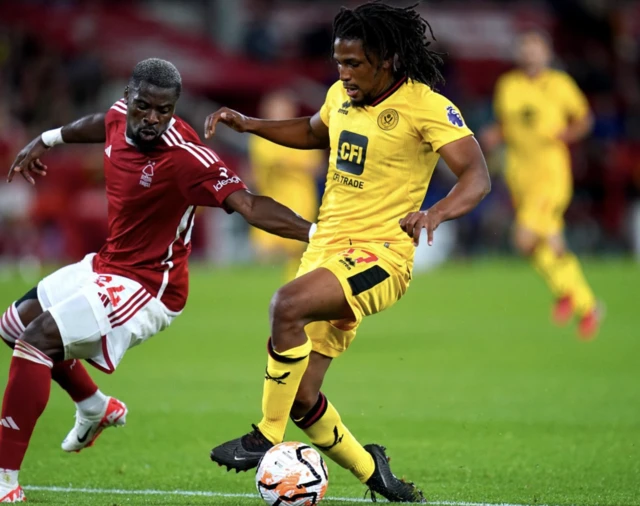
476,395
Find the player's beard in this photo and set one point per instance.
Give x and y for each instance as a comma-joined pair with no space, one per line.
144,144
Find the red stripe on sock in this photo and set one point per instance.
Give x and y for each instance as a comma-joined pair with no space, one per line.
6,329
33,351
15,318
8,326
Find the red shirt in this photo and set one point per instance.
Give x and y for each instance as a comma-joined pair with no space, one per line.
151,201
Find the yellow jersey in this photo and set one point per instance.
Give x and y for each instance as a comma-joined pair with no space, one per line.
288,176
381,161
273,165
532,112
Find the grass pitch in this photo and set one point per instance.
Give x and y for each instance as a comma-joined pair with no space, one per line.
477,397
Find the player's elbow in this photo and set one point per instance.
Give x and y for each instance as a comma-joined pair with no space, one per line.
485,187
248,211
589,123
482,180
243,202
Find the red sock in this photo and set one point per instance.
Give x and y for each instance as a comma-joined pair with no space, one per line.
74,378
25,398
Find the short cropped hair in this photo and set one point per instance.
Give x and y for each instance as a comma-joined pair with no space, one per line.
160,73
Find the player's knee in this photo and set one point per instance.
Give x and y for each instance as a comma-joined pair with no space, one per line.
525,245
526,250
286,306
43,334
558,246
28,307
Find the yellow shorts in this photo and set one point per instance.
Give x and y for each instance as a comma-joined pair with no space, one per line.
541,212
541,192
373,279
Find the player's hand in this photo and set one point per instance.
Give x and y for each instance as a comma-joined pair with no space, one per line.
413,223
28,161
229,117
490,137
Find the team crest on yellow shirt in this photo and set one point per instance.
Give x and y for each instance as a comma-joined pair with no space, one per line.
388,119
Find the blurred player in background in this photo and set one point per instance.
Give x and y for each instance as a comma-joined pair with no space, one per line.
157,171
287,176
539,112
386,128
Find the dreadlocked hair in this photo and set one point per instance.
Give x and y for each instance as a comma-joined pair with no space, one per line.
397,33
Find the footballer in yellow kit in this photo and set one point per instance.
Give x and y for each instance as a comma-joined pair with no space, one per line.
540,111
286,175
382,158
533,113
386,128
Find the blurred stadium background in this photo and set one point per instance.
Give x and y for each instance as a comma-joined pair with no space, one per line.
62,59
479,397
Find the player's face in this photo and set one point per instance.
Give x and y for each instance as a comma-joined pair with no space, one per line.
364,80
149,111
533,51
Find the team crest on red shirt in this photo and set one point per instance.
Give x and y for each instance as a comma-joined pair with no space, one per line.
147,174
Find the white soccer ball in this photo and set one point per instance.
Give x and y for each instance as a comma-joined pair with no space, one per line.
292,474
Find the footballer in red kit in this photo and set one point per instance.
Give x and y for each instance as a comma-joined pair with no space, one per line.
152,197
157,172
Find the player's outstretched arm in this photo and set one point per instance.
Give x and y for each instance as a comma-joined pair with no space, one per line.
577,129
491,137
466,161
90,129
267,214
308,132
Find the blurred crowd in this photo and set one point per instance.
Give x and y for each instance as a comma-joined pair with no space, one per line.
45,84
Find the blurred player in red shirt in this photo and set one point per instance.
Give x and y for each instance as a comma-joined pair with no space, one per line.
157,171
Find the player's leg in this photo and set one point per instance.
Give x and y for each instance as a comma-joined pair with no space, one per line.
538,216
71,375
538,235
582,299
342,292
316,295
545,261
318,418
25,397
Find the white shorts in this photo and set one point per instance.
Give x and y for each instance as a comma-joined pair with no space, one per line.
100,316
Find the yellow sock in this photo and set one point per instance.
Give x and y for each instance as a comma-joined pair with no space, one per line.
564,277
547,264
573,278
325,430
281,381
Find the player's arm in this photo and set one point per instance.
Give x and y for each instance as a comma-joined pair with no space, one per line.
267,214
308,132
491,137
466,161
576,107
90,129
577,129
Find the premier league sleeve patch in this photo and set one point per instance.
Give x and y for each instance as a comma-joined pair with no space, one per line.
454,116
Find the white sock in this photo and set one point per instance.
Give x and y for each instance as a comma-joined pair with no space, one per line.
9,478
94,405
